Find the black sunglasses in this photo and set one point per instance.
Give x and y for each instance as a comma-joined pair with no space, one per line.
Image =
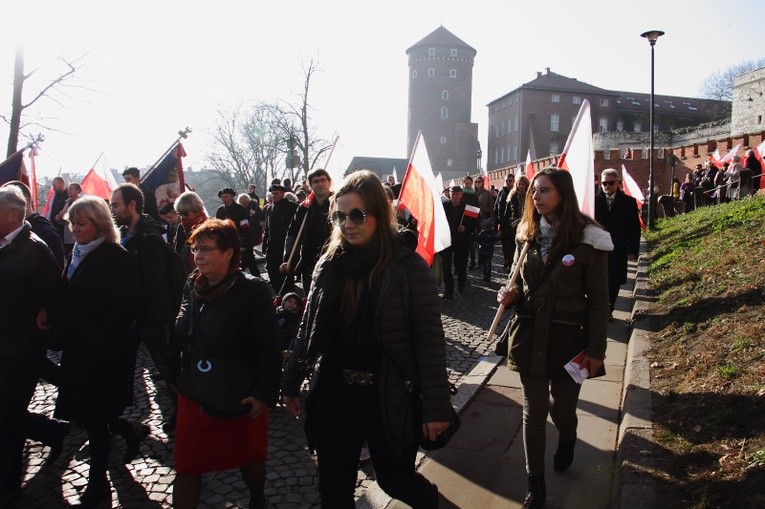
357,217
608,182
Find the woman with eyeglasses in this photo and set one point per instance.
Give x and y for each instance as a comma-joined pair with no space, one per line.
372,335
227,318
191,208
561,302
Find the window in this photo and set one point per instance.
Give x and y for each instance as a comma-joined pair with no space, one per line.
515,123
414,74
445,95
554,148
637,128
453,73
502,155
759,119
515,152
454,52
620,126
431,51
443,140
604,102
449,162
496,156
603,125
606,154
555,98
444,113
496,130
431,72
576,100
554,122
656,128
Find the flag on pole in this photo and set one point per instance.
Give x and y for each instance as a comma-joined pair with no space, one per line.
472,211
421,196
13,168
716,159
440,182
33,178
631,188
729,156
166,179
759,154
529,166
95,185
578,157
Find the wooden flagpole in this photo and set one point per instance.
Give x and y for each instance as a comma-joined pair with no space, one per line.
510,284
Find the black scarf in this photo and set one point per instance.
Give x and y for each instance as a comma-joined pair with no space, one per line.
358,262
203,292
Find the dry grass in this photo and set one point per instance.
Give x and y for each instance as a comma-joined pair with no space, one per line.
707,274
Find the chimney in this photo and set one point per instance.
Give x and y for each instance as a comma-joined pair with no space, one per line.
547,70
539,74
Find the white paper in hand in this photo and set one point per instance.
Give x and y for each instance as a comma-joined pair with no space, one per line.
575,368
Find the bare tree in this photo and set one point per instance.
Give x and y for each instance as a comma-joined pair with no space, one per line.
719,85
51,90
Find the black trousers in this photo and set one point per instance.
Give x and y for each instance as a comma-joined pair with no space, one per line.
458,256
340,417
18,378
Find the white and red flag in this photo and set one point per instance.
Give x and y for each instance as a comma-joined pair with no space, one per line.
472,211
631,188
421,195
716,159
759,154
529,166
729,156
578,158
99,181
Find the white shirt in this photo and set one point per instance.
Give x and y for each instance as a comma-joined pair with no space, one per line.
9,238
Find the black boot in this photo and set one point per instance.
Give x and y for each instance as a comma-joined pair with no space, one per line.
564,456
97,494
536,495
136,433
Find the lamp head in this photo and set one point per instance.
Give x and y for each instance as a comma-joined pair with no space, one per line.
652,35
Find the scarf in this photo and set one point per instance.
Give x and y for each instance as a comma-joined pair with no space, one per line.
357,262
203,292
468,190
546,236
79,252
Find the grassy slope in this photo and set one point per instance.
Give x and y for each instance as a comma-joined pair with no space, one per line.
707,275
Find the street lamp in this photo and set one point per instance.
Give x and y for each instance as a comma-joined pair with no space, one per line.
478,156
652,36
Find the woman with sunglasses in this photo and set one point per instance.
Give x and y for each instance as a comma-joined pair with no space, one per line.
372,334
566,273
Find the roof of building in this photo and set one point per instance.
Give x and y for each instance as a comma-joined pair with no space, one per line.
381,166
441,37
671,105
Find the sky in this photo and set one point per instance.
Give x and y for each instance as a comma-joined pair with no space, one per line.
150,69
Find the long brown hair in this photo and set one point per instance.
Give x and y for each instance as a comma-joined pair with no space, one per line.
571,221
368,186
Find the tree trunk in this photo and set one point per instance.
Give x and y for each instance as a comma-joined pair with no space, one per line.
16,107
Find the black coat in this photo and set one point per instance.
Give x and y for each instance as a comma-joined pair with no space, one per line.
407,325
315,234
29,279
278,221
100,306
239,325
623,223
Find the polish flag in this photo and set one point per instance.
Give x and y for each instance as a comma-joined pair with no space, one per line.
759,153
421,195
472,211
529,166
716,159
578,157
631,188
729,156
99,181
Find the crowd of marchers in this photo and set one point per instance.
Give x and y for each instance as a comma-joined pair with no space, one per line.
345,303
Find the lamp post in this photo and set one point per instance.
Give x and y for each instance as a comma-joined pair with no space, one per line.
478,156
652,36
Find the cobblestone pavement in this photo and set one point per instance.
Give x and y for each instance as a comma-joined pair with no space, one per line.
292,480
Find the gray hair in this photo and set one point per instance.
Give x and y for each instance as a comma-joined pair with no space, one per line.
189,202
96,210
12,199
612,172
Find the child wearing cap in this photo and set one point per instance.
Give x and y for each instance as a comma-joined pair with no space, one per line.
288,318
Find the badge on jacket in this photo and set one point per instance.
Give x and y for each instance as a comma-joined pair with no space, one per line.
568,260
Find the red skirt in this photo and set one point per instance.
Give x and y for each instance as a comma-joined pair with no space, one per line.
206,444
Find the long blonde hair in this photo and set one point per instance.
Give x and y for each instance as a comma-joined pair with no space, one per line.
95,209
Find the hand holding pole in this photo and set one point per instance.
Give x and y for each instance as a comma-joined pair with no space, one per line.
510,284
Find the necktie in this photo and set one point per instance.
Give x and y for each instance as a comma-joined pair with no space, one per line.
610,200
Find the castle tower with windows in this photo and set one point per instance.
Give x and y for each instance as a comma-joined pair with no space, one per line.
440,92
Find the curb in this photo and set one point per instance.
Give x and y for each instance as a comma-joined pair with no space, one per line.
374,497
632,490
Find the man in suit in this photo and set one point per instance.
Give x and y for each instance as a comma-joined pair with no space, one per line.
617,213
460,227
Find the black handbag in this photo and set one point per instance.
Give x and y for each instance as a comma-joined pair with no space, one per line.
220,384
